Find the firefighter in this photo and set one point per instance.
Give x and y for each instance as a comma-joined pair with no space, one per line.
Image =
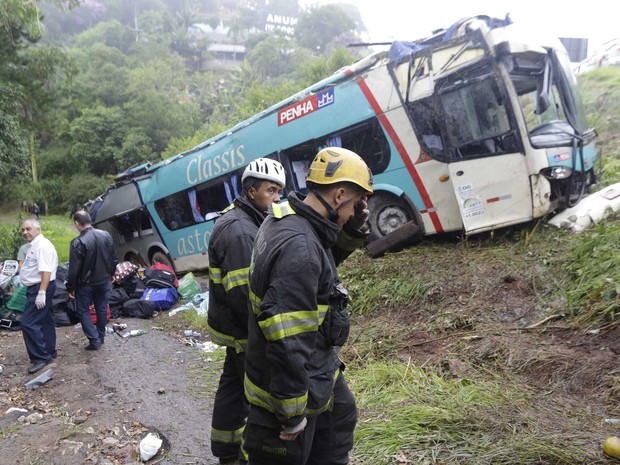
230,250
301,409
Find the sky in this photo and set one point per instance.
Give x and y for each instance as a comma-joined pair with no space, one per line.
388,20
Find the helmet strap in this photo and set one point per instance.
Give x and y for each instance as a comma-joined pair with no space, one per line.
333,214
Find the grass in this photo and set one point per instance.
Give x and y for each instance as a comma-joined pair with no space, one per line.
57,228
410,414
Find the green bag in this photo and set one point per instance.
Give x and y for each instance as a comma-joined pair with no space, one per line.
17,302
188,287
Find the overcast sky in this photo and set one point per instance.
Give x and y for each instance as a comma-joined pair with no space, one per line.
389,20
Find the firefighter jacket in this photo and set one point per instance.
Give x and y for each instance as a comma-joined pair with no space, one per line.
92,259
230,252
299,318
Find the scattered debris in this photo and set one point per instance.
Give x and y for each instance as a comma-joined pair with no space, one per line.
592,209
40,380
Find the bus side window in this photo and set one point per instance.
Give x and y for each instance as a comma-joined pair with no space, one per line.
368,140
214,198
175,211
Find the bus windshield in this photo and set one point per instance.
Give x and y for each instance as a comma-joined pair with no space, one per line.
468,118
547,93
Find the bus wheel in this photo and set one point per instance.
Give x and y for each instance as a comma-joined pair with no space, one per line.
387,213
135,259
162,258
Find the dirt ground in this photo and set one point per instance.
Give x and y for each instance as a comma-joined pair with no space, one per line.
100,404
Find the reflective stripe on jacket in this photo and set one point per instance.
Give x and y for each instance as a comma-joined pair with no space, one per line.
230,252
291,364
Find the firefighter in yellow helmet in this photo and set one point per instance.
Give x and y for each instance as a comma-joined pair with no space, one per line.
301,409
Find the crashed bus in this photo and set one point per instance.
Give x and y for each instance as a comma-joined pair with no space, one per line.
477,127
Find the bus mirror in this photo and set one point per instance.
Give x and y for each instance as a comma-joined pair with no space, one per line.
543,98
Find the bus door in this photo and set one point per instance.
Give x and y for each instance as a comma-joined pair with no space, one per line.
485,155
468,124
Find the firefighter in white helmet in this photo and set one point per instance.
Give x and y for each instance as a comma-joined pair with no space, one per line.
230,250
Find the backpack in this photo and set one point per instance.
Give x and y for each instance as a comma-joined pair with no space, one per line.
160,276
124,272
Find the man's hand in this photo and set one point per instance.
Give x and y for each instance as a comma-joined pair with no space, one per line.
290,434
40,300
361,214
71,294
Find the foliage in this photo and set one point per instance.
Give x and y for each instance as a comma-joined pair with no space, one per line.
60,231
593,274
410,414
65,194
10,240
600,90
277,56
316,70
391,286
20,20
320,25
14,163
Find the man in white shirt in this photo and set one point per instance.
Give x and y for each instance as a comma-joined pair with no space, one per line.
38,274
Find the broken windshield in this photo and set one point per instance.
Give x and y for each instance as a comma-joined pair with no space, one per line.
537,77
467,118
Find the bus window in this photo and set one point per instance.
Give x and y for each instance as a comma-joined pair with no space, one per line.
175,211
214,198
132,225
298,159
198,204
368,141
474,115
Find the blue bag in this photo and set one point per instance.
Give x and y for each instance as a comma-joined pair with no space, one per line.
164,297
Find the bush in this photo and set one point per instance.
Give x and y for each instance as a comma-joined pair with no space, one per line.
10,240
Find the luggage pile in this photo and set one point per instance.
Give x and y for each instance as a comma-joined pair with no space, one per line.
136,293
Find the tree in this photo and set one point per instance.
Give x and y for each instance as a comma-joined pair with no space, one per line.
13,149
319,25
97,135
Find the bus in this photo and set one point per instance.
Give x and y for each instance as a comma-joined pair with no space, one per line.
476,127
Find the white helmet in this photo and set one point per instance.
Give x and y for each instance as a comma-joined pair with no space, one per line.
267,169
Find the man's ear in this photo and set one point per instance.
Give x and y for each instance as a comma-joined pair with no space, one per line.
340,195
251,192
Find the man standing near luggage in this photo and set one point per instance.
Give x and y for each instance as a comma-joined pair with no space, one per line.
230,251
92,262
301,409
38,274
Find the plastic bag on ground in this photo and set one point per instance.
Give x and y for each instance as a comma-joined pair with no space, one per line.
149,446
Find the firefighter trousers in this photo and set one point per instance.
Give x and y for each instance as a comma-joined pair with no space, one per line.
230,408
326,440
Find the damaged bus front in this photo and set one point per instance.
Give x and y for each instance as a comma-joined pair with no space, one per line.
502,112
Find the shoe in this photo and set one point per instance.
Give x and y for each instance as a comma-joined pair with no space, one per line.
36,366
54,355
92,346
230,460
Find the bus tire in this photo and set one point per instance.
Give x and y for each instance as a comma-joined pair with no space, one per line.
135,259
387,213
161,257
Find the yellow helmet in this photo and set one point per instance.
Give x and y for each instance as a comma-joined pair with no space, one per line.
335,164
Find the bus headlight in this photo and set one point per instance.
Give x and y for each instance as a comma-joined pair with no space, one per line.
556,172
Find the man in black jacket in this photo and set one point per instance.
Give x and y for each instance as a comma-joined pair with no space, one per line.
301,409
92,261
230,252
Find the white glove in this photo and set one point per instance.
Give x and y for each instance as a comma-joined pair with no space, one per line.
40,300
